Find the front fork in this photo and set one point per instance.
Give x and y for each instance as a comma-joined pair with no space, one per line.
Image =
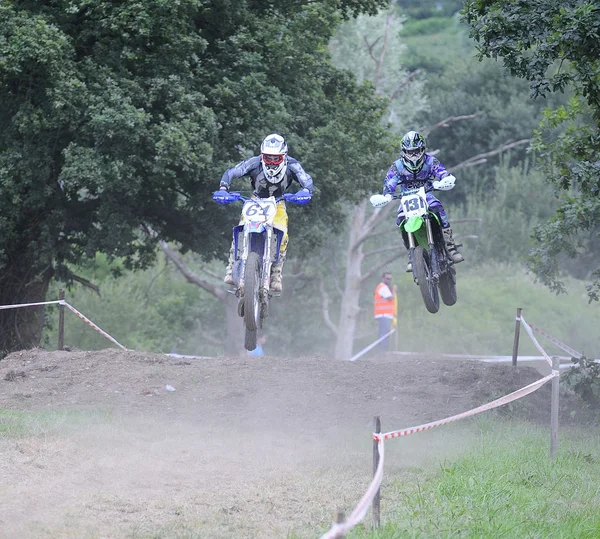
265,277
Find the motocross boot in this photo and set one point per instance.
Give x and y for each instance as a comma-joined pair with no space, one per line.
276,277
451,246
228,280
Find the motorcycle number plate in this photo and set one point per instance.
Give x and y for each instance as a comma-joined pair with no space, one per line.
259,210
413,205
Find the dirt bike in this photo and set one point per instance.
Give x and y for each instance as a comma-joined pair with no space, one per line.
256,248
421,229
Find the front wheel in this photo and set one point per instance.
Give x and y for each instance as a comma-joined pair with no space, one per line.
424,276
448,286
251,292
250,340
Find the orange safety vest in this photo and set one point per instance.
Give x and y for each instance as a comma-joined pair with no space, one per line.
381,305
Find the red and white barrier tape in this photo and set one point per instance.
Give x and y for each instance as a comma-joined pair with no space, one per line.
19,305
535,341
561,345
339,529
489,406
94,326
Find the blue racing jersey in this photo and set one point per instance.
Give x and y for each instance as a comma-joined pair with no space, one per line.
399,176
262,187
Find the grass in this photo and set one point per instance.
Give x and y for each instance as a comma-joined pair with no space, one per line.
504,486
15,424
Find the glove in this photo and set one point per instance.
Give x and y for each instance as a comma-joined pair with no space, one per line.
222,196
301,197
444,184
380,200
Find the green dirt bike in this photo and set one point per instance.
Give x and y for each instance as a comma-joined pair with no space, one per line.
421,229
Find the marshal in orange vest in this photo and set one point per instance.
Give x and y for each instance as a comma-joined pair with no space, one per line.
383,306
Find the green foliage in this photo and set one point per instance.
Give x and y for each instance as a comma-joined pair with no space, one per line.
371,48
116,114
153,310
483,319
553,45
423,27
504,486
568,147
429,9
584,379
518,200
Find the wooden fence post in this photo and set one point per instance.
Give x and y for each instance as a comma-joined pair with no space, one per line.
516,342
339,519
377,498
554,409
61,321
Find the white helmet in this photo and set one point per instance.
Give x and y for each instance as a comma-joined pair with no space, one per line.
273,157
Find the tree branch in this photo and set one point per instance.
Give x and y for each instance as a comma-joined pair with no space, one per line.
482,157
382,265
445,123
326,316
377,217
370,47
189,275
86,283
406,81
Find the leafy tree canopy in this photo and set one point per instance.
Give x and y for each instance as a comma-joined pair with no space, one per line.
121,113
554,45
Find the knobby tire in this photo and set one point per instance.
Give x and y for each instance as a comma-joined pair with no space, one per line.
447,286
429,291
251,292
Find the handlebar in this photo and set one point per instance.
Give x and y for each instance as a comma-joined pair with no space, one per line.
225,197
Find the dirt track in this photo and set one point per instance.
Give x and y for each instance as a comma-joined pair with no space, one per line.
244,447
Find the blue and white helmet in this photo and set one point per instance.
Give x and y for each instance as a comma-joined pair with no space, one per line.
273,157
413,151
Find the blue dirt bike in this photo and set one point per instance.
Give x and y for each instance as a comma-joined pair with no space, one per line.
256,244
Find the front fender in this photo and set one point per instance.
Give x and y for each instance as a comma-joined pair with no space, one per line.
413,224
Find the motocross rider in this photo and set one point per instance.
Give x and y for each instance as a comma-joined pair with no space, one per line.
414,169
271,174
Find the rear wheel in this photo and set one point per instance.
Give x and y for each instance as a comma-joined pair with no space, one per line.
448,286
251,292
423,273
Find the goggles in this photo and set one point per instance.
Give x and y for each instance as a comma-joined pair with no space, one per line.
414,151
270,159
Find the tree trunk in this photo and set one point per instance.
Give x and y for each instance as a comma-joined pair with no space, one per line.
234,330
349,309
22,328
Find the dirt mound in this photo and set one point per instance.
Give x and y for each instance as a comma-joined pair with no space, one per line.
246,447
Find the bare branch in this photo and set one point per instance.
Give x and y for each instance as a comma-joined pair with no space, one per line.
86,283
326,316
189,275
382,52
405,82
382,265
372,222
448,121
370,47
481,157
